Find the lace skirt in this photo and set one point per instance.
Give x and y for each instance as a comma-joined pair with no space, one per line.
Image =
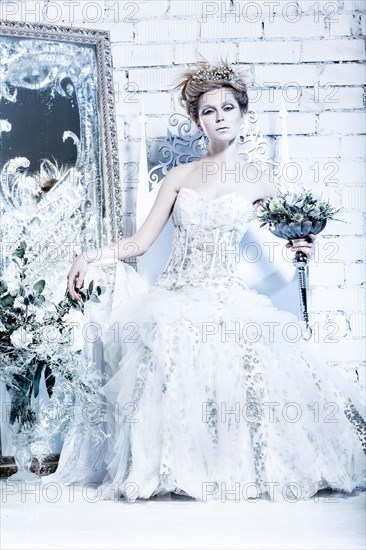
213,394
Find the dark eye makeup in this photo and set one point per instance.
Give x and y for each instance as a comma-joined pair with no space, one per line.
208,110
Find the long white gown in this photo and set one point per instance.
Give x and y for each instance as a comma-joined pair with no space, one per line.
212,394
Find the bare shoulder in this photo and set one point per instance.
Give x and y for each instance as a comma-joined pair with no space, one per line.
177,176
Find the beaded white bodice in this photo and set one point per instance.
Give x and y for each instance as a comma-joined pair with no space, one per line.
206,242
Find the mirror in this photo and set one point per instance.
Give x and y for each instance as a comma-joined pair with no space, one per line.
59,169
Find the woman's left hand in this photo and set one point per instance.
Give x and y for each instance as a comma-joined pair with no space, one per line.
305,245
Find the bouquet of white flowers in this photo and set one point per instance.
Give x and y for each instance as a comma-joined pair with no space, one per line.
295,215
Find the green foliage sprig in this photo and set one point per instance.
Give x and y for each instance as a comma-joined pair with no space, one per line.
25,315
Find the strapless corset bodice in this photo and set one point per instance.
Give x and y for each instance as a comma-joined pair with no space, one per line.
206,241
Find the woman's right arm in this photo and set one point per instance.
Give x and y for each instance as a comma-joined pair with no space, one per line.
133,246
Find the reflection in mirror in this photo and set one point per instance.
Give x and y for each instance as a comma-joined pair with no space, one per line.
50,176
59,180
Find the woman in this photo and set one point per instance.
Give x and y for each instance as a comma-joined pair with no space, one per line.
211,397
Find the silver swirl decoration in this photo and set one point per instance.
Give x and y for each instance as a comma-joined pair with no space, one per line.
182,146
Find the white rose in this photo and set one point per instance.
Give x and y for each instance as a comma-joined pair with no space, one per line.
274,205
21,338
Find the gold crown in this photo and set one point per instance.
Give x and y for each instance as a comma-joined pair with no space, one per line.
220,72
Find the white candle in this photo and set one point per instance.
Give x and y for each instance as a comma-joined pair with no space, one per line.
142,201
285,155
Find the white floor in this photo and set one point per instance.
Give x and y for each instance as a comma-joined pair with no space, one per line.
75,517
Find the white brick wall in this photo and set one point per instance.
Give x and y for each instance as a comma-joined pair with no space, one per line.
353,197
344,249
150,79
138,55
345,350
229,28
299,123
344,74
331,97
342,123
353,146
358,325
342,50
337,299
351,171
354,223
269,52
265,74
305,27
314,146
355,274
321,273
318,46
126,10
326,324
161,30
186,53
343,25
188,8
330,172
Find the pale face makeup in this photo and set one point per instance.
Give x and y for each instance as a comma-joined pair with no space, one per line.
220,117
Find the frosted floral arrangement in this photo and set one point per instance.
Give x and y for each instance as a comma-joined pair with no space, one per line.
295,214
40,339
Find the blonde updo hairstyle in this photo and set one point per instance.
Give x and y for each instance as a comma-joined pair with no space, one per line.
204,77
50,172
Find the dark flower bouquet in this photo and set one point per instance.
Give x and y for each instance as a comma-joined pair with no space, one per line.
295,215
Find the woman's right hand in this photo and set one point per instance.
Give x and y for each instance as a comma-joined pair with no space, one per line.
76,276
